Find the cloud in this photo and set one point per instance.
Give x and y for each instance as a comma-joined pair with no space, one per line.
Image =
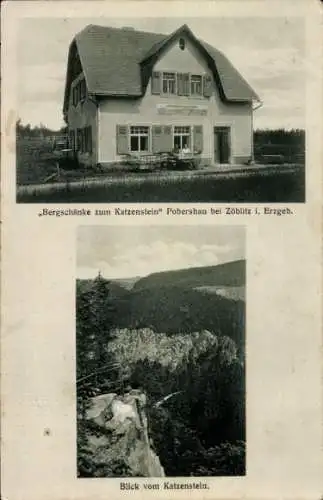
158,256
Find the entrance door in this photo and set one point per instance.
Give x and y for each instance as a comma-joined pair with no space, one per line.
222,148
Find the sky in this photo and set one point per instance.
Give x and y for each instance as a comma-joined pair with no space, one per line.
268,52
126,252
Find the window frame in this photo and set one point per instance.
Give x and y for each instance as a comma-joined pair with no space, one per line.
182,134
164,78
88,147
139,134
182,43
79,140
79,91
198,81
72,139
189,86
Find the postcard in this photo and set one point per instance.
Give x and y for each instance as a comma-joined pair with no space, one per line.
161,302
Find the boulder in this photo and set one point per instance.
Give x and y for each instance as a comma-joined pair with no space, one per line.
117,436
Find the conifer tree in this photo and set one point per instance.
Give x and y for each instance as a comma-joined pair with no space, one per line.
94,363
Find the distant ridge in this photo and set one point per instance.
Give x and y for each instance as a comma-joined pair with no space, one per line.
183,301
227,274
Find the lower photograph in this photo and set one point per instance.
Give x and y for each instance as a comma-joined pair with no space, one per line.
160,351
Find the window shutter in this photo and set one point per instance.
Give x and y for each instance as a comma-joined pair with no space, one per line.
167,138
198,138
122,140
183,84
207,86
180,84
186,84
157,142
155,82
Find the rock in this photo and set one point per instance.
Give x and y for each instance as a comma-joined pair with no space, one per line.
118,442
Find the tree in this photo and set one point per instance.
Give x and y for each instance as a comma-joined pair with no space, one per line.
94,364
94,316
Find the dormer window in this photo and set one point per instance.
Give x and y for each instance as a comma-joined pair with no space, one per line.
169,83
182,43
196,85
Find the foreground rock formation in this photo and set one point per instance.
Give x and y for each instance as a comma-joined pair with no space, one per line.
118,441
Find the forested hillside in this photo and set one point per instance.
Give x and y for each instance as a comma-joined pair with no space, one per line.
228,274
184,347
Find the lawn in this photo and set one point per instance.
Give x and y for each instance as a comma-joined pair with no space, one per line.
35,160
36,164
275,185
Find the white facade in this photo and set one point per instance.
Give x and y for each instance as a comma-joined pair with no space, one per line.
170,111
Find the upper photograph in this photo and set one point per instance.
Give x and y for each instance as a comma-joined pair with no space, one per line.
161,110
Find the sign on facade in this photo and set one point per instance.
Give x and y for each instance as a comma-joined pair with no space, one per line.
173,109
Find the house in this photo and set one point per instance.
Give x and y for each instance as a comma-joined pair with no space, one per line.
134,92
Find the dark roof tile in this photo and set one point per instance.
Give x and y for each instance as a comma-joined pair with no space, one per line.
112,58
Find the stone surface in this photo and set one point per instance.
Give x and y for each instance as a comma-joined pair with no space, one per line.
118,439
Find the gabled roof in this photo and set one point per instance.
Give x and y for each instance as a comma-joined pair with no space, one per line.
113,59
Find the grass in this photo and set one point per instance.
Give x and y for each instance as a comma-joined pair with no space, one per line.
36,163
268,185
34,159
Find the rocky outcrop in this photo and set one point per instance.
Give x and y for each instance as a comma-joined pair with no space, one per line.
118,442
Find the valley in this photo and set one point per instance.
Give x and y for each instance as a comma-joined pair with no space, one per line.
179,336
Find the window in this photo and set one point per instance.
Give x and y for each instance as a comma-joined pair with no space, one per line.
182,138
139,139
79,140
182,43
79,92
169,83
87,147
184,84
82,89
196,85
84,140
72,140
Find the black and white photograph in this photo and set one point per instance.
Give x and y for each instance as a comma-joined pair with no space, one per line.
114,110
160,351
